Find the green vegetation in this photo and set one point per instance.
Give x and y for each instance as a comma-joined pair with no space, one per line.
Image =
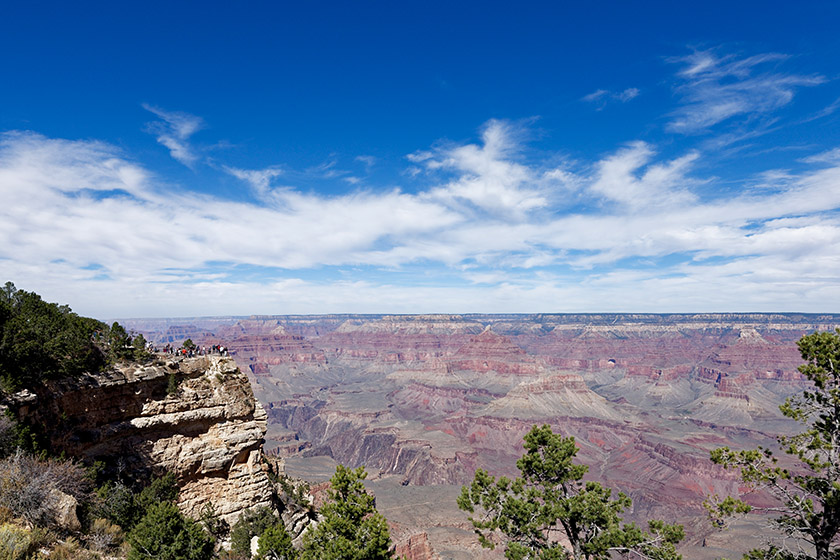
119,343
808,510
117,503
351,528
275,544
32,489
104,536
155,527
294,493
165,534
212,523
138,344
172,385
29,486
252,523
16,436
550,501
40,340
16,543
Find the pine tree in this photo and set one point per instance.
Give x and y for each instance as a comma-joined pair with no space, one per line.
351,529
252,523
276,544
41,340
809,497
549,503
119,343
165,534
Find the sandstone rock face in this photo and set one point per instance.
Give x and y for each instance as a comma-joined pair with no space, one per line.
209,432
416,547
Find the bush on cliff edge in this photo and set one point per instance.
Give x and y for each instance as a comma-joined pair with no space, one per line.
252,523
351,528
165,534
40,340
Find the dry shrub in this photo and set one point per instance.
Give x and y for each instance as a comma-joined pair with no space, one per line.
104,535
7,436
28,485
70,549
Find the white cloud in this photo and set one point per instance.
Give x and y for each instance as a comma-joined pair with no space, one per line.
487,177
259,179
717,88
659,185
829,156
595,95
368,161
508,232
628,94
174,130
828,110
603,96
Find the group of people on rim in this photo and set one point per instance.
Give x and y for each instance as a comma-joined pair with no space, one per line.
193,351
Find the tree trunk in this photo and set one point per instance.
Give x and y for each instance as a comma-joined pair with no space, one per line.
822,545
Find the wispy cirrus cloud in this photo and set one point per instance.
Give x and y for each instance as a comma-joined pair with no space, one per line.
827,157
259,179
601,97
829,109
716,88
174,130
367,161
596,95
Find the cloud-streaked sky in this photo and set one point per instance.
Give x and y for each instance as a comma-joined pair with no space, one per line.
210,159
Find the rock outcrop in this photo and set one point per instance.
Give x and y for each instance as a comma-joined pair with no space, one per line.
416,547
196,418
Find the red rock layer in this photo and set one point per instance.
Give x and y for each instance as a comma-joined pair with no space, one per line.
492,352
276,349
416,547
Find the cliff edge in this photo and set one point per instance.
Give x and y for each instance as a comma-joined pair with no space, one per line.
194,417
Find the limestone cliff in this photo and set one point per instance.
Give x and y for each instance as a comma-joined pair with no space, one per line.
197,418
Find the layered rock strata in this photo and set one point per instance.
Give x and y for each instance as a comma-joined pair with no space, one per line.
196,418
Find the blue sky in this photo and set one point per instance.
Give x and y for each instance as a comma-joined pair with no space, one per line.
183,159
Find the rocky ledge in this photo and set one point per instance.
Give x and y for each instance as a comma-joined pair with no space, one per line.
195,417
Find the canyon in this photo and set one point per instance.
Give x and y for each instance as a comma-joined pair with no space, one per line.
424,400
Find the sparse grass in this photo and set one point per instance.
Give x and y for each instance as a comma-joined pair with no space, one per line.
15,542
70,549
